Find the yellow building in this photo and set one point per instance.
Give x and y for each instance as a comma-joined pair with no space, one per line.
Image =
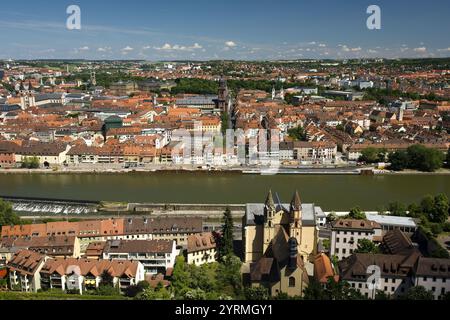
278,241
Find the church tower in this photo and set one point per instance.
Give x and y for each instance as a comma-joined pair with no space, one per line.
295,218
269,226
222,99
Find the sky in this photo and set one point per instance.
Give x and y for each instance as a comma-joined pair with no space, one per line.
158,30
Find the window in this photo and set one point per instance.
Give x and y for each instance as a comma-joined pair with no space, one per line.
291,282
344,251
337,240
345,240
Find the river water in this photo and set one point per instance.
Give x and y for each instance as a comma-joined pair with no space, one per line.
331,192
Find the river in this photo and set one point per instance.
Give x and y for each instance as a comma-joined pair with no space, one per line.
331,192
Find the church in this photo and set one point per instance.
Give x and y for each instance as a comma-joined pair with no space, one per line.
279,241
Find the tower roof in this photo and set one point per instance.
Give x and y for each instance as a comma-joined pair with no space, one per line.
269,201
296,203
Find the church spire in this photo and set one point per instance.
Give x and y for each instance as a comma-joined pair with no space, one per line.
296,203
270,204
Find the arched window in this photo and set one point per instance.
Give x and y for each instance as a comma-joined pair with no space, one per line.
291,282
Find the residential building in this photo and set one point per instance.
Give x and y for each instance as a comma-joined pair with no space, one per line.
157,256
201,248
345,234
81,275
24,270
54,246
324,269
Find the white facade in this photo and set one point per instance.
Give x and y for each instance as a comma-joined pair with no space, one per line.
345,241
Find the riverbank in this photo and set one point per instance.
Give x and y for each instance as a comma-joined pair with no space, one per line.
232,171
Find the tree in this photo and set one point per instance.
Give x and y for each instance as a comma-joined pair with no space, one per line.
418,293
398,160
373,155
414,210
424,159
366,246
314,291
440,210
7,215
225,245
180,276
30,163
297,133
331,217
229,275
356,213
397,209
256,293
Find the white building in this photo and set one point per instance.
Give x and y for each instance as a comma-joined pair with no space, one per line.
201,249
345,234
156,255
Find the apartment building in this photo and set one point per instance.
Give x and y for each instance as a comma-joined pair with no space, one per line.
54,246
162,228
345,234
157,256
86,274
23,270
201,249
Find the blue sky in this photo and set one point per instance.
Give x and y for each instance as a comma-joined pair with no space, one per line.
245,29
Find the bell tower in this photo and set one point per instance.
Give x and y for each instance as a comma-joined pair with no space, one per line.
295,218
269,227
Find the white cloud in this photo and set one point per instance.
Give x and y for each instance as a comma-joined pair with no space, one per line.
420,50
85,48
127,49
345,48
177,47
230,44
443,50
322,45
104,49
146,47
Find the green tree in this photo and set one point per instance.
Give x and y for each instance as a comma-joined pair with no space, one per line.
315,291
7,215
414,210
256,293
440,210
229,276
225,245
397,209
331,217
418,293
297,133
356,213
372,155
424,159
366,246
180,276
398,160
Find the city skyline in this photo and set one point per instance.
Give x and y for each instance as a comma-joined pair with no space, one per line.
262,30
